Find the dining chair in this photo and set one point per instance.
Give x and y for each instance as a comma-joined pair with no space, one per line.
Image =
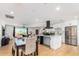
14,48
30,48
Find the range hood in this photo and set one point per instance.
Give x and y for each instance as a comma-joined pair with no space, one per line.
48,25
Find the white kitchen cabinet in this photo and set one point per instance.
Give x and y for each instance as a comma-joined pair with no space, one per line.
55,42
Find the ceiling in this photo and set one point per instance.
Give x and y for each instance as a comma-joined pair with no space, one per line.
32,14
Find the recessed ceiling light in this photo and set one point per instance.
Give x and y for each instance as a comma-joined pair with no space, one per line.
57,8
11,12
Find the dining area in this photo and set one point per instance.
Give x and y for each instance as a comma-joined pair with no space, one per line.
25,46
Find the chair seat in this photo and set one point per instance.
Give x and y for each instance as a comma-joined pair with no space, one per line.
28,52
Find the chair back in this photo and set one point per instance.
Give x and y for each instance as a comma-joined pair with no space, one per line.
30,45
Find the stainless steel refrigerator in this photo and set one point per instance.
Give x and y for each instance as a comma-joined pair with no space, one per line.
71,35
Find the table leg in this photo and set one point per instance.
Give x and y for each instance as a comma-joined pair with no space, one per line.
17,51
36,47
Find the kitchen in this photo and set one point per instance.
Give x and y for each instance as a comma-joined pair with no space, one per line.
55,28
55,36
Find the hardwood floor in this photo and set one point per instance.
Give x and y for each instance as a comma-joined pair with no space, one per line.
6,50
65,50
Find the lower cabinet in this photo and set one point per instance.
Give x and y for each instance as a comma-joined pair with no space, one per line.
47,41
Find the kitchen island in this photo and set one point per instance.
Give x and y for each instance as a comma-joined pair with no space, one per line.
53,41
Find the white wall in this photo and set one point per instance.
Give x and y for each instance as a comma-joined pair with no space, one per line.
0,34
32,29
78,32
63,25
